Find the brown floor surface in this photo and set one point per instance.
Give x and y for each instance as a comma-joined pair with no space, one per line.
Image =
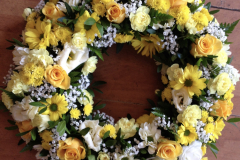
130,79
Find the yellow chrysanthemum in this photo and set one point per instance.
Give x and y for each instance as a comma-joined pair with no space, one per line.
210,119
228,95
39,37
45,145
32,74
146,118
167,94
164,79
105,1
106,128
88,109
90,33
204,116
160,5
46,136
187,134
209,128
181,13
204,150
75,113
148,45
63,34
218,127
207,14
190,80
120,38
56,106
201,19
100,9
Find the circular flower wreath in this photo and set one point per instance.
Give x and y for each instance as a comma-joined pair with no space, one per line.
48,90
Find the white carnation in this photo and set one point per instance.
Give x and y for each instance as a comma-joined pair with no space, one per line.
20,55
193,151
41,121
90,65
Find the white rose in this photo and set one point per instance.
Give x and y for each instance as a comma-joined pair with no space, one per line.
79,56
41,121
22,111
90,65
149,130
117,156
174,72
20,55
181,99
92,138
26,13
193,151
128,127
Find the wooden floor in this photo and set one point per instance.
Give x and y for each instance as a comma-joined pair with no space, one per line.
131,79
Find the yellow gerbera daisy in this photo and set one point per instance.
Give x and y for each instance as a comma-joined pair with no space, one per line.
190,80
148,45
187,134
90,33
39,37
56,106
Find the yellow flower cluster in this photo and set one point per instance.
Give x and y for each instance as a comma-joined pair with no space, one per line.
46,138
75,113
120,38
32,74
88,109
111,128
160,5
181,13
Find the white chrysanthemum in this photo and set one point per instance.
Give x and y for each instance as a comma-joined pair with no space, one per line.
41,121
78,56
92,138
23,111
128,127
15,85
20,55
149,130
90,65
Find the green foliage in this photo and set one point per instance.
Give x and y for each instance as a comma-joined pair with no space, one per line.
3,107
119,47
61,128
99,107
11,128
228,28
193,8
96,50
213,148
34,133
84,131
22,134
214,11
90,21
12,96
100,28
98,83
37,104
42,110
52,124
106,135
208,6
157,17
233,120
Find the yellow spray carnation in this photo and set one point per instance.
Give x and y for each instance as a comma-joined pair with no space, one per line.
75,113
160,5
111,128
181,13
190,115
88,109
100,9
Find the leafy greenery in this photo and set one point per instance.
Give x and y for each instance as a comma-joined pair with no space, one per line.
228,28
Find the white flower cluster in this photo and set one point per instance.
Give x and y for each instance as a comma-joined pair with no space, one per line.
161,122
109,119
232,72
54,144
9,74
202,135
40,6
43,91
214,29
56,59
207,105
132,151
168,25
206,71
170,43
107,40
75,123
132,7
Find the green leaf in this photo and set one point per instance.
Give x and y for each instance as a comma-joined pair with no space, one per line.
69,10
52,124
46,1
43,153
61,25
21,141
91,157
157,114
97,51
61,127
137,35
180,28
116,26
11,128
62,19
110,143
98,83
11,122
119,47
34,134
233,120
82,10
99,107
84,131
90,21
208,6
160,35
22,134
98,90
18,42
100,28
212,145
214,11
42,110
233,124
230,60
2,106
199,62
106,135
26,148
143,151
37,104
11,47
105,23
151,31
229,27
91,92
151,102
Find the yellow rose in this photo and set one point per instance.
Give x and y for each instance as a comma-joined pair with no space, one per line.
100,9
190,115
128,127
141,19
115,13
168,150
103,156
58,77
146,118
71,149
79,39
23,127
206,45
222,109
175,3
221,84
51,11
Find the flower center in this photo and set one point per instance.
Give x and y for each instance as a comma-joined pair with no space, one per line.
188,83
186,133
53,107
41,36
